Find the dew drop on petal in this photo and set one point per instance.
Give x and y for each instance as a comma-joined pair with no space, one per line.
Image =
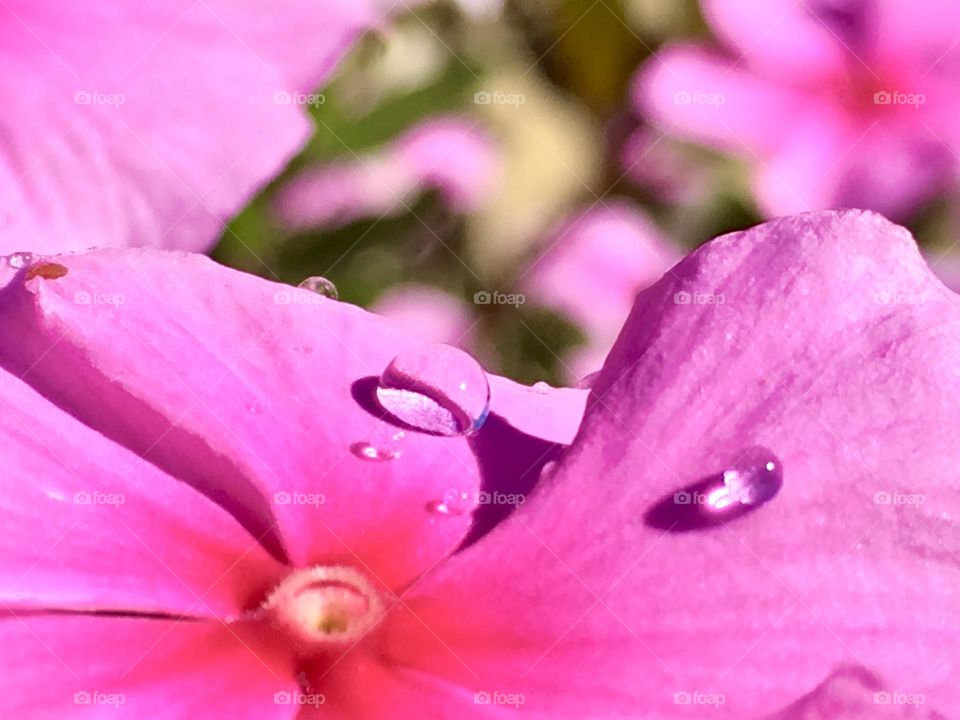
454,503
379,450
438,389
321,286
541,387
754,477
374,453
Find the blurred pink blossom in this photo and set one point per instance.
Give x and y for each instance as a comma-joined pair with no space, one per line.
152,123
449,154
428,313
847,103
593,265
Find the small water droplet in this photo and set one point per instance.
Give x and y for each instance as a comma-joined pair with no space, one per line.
379,452
541,387
436,388
321,286
254,408
19,259
586,382
454,503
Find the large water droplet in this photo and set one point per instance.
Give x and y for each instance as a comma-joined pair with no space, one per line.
754,478
436,388
19,259
321,286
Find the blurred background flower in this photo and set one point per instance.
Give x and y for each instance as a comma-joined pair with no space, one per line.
504,175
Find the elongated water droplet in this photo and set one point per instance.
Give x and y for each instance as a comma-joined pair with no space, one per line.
321,286
436,388
753,479
382,451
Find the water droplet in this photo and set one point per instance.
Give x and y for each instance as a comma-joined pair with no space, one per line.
436,388
753,480
19,259
541,387
454,503
254,408
321,286
379,452
586,382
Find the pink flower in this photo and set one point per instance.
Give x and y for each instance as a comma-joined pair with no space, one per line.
593,265
205,413
150,124
429,314
450,155
833,104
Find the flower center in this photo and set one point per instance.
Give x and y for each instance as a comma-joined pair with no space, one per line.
324,606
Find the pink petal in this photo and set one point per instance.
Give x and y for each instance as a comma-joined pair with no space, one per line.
88,524
261,396
709,98
95,667
594,264
782,38
926,38
450,155
832,160
428,313
134,125
857,694
833,346
257,393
